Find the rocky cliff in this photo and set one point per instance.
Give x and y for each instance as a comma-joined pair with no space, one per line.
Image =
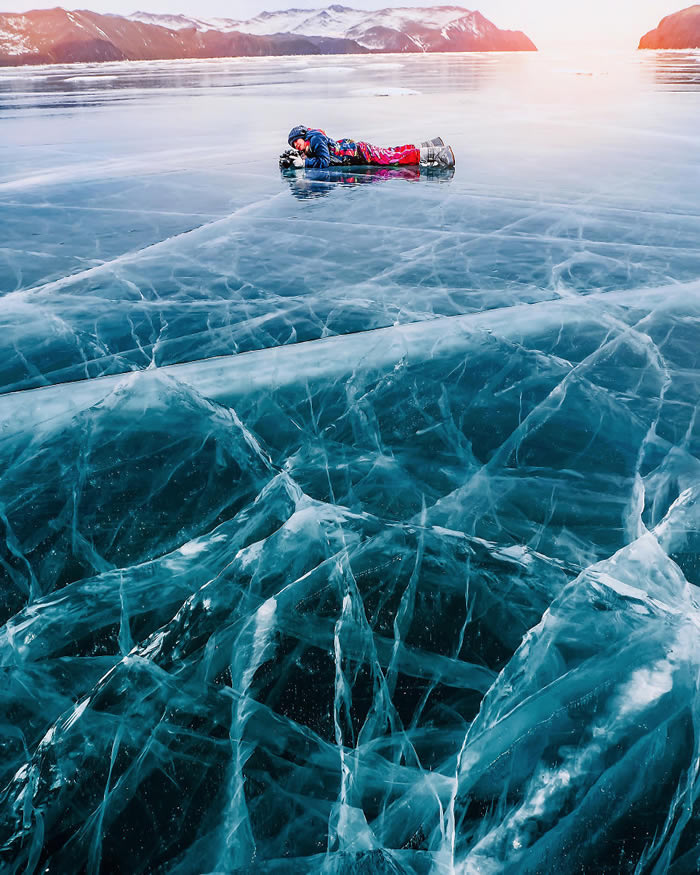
678,31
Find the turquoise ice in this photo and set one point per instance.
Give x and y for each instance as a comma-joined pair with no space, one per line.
349,521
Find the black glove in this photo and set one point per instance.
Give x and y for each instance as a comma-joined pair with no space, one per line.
291,158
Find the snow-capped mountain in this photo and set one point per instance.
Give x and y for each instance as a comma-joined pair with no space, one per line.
430,28
333,21
60,36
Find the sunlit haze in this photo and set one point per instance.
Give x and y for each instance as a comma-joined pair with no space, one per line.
549,23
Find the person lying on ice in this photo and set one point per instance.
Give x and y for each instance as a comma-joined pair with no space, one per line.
317,150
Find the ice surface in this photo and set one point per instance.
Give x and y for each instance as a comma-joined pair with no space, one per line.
349,520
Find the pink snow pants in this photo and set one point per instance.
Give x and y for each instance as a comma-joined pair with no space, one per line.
392,155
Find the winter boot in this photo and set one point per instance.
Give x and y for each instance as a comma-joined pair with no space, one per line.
436,156
436,141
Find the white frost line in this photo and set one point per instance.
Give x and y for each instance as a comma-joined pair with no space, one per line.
139,253
225,378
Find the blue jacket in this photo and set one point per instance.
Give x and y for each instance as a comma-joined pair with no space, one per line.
324,151
320,153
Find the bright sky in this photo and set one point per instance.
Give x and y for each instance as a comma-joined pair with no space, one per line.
549,23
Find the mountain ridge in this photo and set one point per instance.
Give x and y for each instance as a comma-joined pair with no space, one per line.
59,36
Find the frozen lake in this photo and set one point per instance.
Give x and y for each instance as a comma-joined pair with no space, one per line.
349,521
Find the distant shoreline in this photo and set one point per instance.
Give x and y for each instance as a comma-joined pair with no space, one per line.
412,56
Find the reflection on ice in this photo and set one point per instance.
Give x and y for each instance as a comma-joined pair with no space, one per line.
318,183
350,527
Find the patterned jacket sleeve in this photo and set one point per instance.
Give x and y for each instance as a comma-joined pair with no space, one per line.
320,156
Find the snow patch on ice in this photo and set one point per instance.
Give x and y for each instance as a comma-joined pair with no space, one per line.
88,78
329,71
644,687
380,91
192,548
